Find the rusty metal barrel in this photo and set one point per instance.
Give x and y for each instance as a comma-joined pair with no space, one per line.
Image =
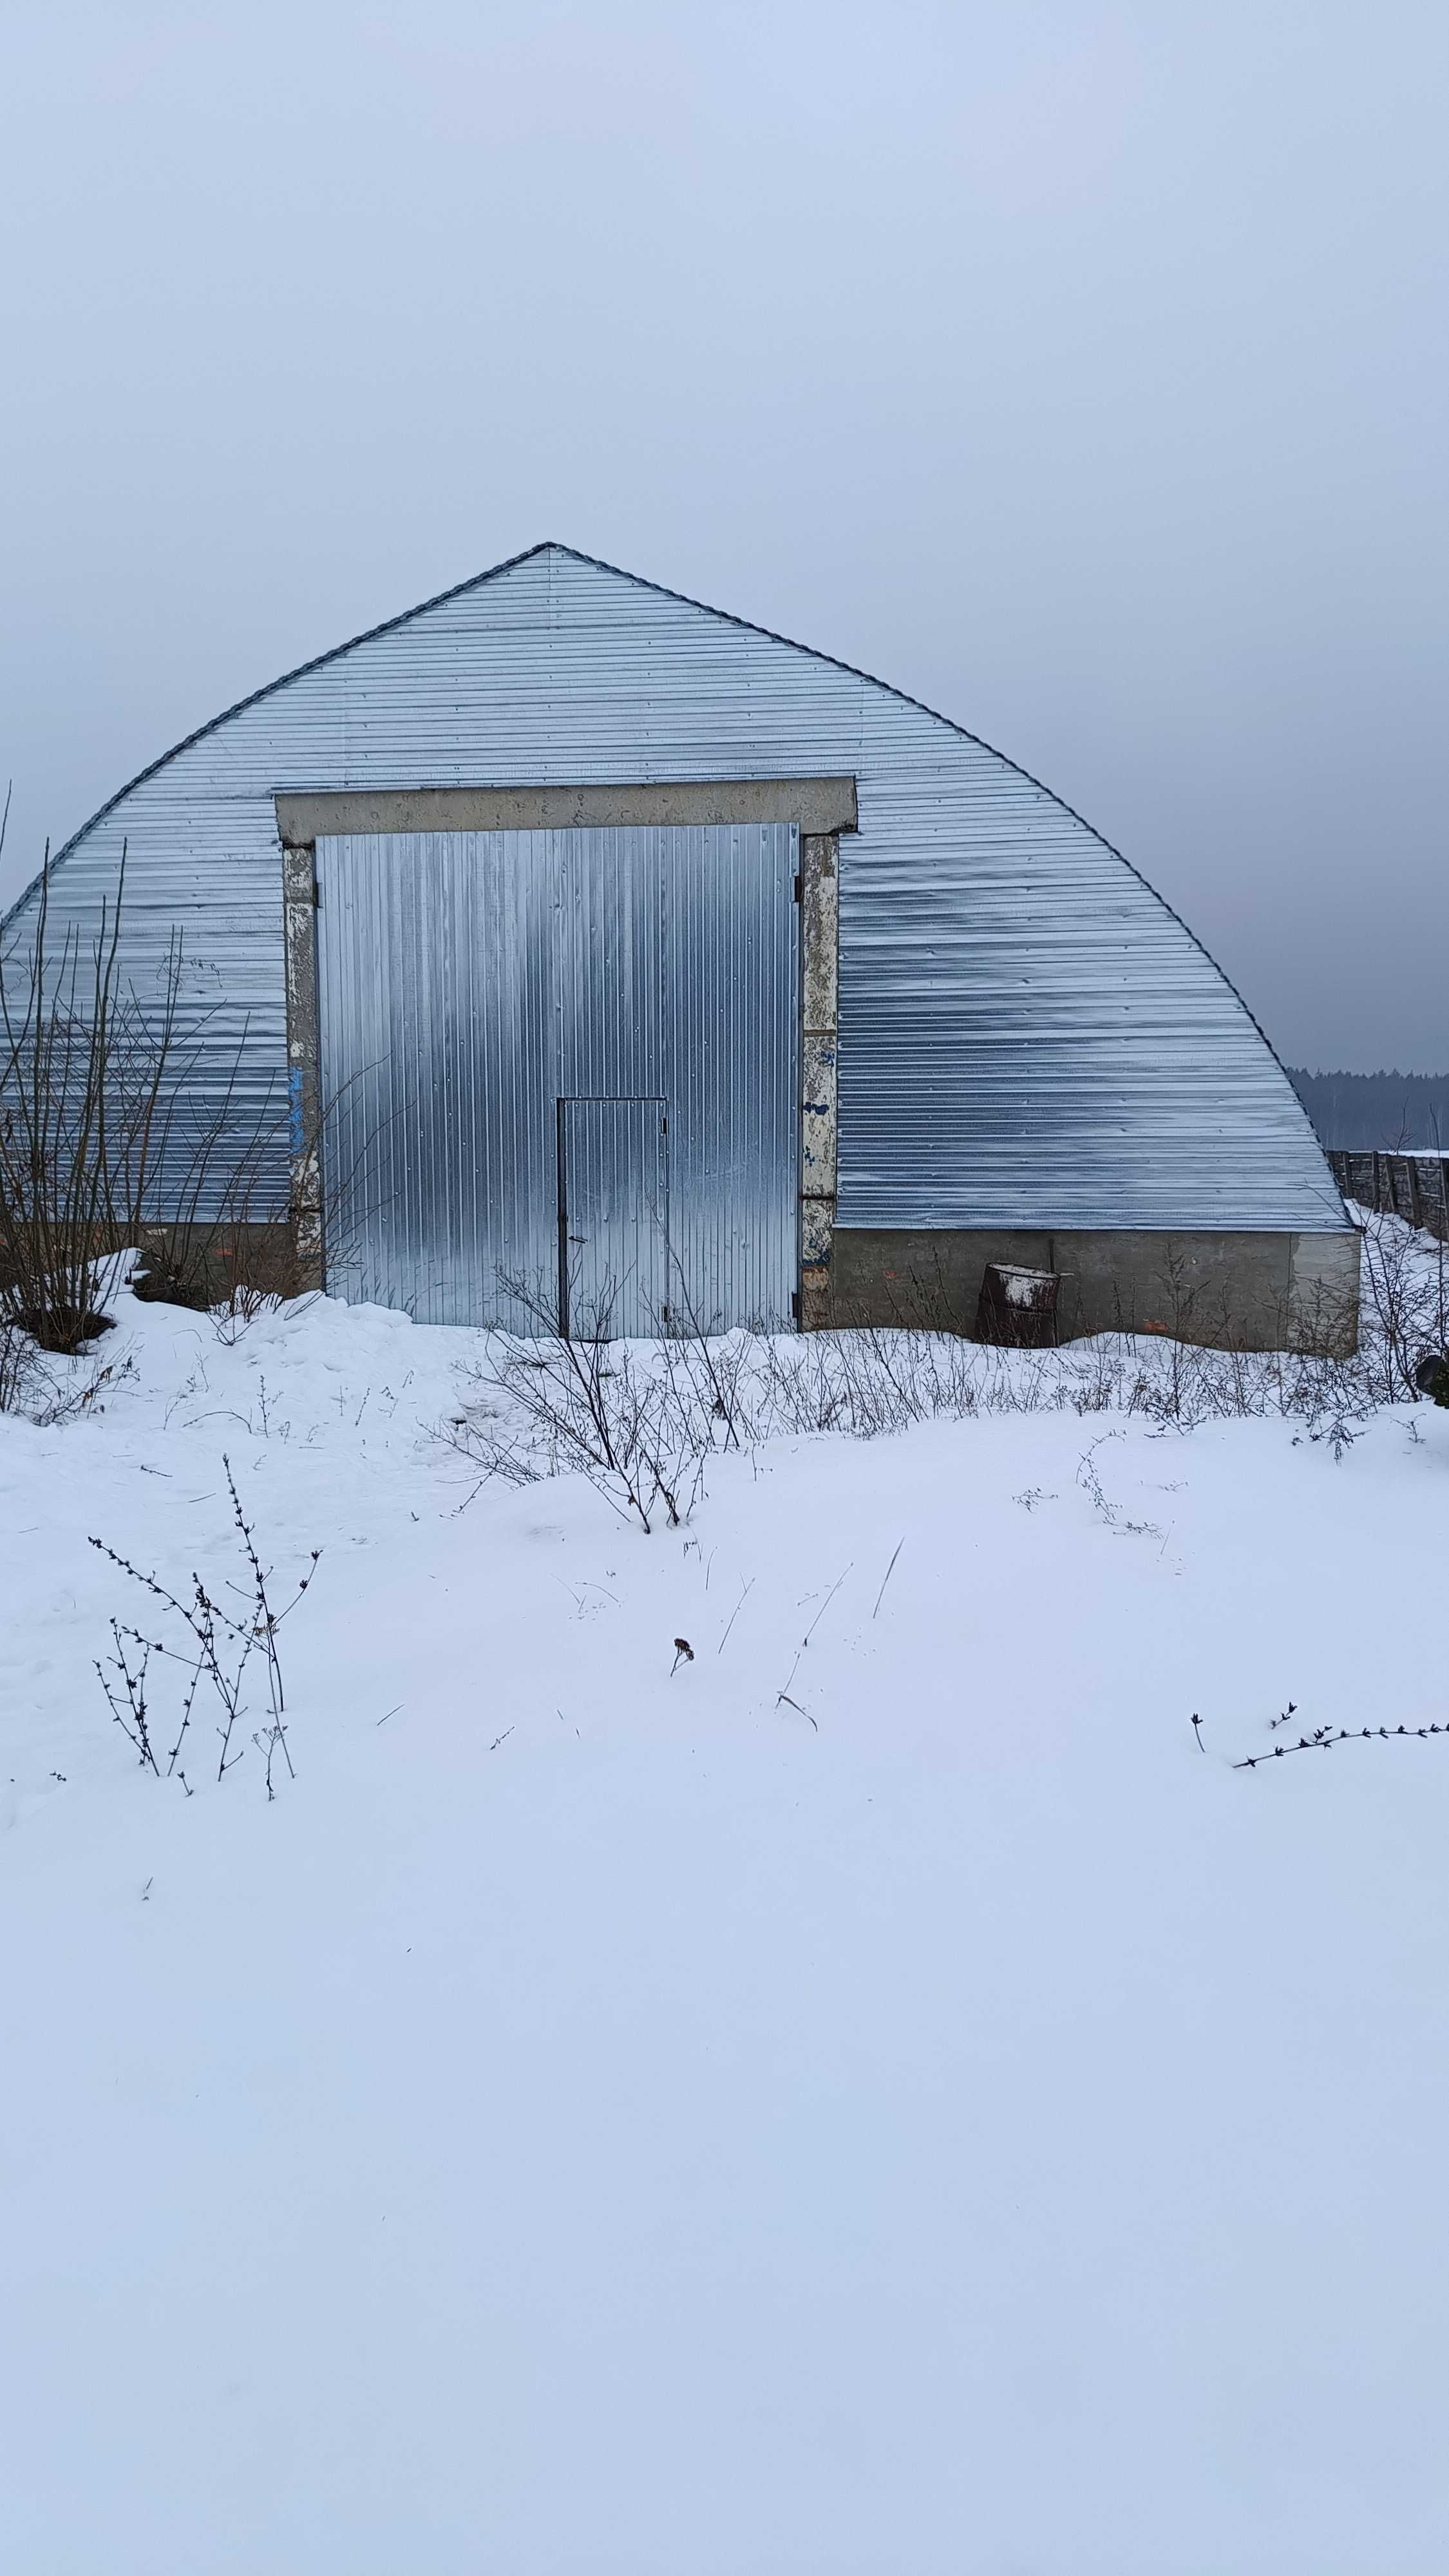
1017,1308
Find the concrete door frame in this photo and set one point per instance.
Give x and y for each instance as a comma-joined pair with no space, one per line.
823,808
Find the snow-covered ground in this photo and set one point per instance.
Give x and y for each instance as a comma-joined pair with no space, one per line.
901,2105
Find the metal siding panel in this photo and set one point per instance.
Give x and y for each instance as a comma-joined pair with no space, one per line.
614,1152
1028,1037
231,1015
731,1053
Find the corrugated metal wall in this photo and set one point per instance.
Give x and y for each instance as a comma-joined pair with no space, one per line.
1028,1037
470,982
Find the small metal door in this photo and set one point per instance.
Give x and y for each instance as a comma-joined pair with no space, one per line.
613,1219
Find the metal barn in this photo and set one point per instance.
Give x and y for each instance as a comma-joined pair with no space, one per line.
620,958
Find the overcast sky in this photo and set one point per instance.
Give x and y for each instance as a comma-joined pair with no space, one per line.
1081,369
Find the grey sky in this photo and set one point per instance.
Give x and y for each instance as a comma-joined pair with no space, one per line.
1081,369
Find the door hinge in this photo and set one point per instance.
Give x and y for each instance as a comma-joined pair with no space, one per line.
794,1305
316,895
799,889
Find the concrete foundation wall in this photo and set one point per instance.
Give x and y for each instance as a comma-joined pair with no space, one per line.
1248,1291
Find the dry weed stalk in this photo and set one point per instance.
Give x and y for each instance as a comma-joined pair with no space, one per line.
1323,1738
223,1644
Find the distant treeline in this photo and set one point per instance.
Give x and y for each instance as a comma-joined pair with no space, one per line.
1376,1112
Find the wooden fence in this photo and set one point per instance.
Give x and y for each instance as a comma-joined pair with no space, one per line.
1414,1186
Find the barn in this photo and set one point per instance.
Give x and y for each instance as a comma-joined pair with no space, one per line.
619,959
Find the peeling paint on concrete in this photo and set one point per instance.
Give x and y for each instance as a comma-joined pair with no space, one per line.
819,1089
304,1057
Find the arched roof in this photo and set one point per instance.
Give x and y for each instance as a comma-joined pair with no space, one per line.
1026,1024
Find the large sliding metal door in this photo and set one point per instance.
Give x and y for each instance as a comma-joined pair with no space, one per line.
563,1065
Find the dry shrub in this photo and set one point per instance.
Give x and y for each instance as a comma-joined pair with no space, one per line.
637,1419
112,1135
81,1083
643,1417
